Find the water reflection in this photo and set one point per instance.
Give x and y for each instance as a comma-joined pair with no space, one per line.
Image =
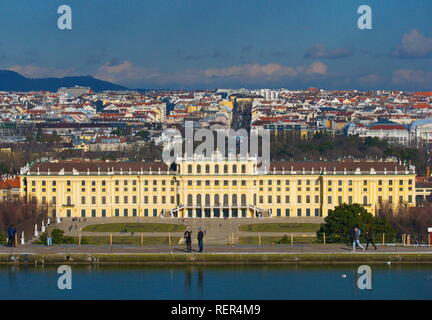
200,282
216,282
188,282
193,281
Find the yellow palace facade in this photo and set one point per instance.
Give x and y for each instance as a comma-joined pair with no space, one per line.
214,187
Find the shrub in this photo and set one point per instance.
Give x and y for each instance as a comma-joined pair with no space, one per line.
58,237
343,218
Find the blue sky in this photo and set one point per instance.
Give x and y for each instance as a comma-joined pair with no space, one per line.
225,43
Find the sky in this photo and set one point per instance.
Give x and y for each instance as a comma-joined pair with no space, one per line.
199,44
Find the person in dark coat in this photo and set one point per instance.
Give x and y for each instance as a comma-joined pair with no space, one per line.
369,239
11,236
351,235
200,238
188,239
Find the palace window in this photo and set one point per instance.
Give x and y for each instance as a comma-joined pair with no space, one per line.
234,199
189,200
225,199
243,199
216,200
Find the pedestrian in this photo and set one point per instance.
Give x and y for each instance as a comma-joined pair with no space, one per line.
356,242
200,238
188,239
11,236
369,239
49,236
351,236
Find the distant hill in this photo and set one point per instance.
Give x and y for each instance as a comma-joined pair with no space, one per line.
13,81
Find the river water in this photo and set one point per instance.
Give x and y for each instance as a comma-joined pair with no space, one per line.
336,281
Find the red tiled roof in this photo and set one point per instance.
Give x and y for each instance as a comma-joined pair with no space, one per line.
97,166
337,165
10,183
388,127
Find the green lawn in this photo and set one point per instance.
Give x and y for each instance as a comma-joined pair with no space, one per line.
274,240
135,227
281,227
127,240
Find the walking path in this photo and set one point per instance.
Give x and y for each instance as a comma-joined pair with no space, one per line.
282,249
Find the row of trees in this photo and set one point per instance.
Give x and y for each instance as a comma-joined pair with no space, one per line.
24,215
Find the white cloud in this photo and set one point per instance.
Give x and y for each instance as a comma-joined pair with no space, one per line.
370,79
319,51
412,77
33,71
413,45
127,73
266,70
124,72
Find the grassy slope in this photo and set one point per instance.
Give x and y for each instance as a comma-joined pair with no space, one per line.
127,240
135,227
281,227
272,240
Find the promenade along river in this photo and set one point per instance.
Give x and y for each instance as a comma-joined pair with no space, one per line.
336,281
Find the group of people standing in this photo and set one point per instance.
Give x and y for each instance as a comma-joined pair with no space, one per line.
354,237
188,239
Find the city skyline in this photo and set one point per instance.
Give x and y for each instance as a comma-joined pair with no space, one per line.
192,44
